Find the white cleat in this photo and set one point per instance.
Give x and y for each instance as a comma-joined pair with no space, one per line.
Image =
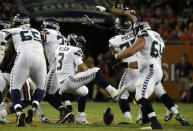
3,115
169,114
116,93
82,120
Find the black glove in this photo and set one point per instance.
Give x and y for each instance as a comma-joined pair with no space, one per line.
120,65
109,57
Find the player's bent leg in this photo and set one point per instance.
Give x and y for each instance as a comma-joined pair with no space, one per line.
38,75
144,89
125,108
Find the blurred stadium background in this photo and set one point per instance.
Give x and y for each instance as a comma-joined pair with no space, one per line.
173,19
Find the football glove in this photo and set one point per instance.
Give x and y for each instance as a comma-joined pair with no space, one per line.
102,8
109,56
120,65
87,20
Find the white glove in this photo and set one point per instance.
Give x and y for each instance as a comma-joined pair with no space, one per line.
87,21
101,8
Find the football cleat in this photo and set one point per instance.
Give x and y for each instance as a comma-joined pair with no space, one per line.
31,114
2,117
182,120
116,93
20,119
82,120
65,115
44,119
169,114
126,122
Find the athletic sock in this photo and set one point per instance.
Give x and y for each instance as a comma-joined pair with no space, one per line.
81,103
15,96
38,95
53,100
174,110
168,102
124,105
101,79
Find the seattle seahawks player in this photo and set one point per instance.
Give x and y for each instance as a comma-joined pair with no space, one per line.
52,38
117,43
68,62
4,24
29,62
149,46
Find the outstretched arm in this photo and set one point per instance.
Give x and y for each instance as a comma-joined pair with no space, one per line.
137,46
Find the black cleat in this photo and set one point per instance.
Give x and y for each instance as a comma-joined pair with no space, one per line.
65,115
29,118
20,119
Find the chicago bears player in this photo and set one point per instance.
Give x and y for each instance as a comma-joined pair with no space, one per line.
29,62
52,38
149,46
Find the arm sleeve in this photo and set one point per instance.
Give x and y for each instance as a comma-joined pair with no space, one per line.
78,56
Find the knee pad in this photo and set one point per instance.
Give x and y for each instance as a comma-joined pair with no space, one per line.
84,91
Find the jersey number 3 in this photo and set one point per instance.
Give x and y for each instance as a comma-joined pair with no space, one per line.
59,67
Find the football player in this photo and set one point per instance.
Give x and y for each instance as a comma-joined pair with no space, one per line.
123,40
29,62
69,62
149,46
4,24
52,38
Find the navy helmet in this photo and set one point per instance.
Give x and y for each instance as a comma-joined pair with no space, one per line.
74,38
51,23
140,25
21,19
123,25
4,23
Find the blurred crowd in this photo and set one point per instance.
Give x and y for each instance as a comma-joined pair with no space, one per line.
173,19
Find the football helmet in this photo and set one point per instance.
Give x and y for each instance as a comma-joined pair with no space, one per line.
51,24
4,24
123,25
21,19
140,25
73,39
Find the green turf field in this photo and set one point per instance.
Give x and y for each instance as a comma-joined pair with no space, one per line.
94,111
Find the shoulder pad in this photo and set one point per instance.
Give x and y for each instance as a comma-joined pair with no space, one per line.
142,33
79,52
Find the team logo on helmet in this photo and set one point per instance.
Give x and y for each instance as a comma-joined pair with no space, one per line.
51,24
21,19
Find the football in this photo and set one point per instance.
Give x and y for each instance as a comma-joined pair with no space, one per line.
108,116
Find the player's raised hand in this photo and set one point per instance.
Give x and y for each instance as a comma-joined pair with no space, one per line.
87,20
101,8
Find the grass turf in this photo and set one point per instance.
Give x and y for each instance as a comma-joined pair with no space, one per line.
94,111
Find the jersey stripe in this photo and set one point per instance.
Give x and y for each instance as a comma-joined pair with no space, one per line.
146,82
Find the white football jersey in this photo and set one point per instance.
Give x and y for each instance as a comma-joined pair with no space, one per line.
2,40
67,60
121,42
152,52
26,38
52,39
